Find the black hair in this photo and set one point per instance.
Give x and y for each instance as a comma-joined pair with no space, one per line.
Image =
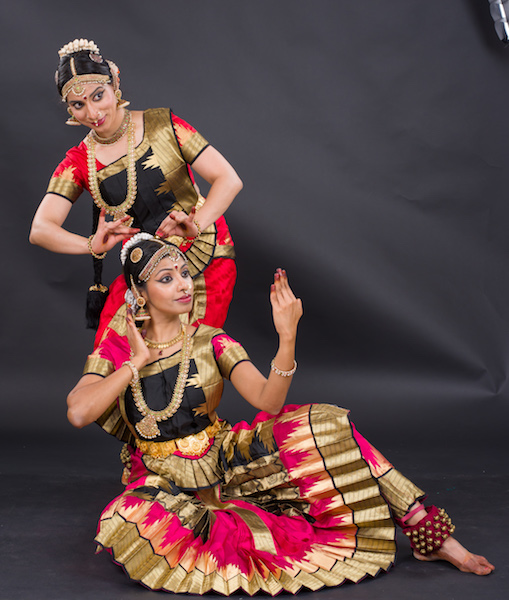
83,64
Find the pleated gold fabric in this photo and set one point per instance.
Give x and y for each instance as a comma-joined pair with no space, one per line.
290,501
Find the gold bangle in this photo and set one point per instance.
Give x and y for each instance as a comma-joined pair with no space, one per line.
192,239
94,254
283,373
135,373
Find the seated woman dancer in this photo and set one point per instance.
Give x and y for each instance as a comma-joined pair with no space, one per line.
296,499
136,166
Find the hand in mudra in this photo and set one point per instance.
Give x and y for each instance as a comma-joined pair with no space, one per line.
109,233
179,223
286,308
139,351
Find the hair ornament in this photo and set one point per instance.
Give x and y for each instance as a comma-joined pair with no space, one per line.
136,255
77,82
171,251
138,237
115,74
78,45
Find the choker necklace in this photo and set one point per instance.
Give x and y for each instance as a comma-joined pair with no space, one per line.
163,345
119,134
120,210
147,427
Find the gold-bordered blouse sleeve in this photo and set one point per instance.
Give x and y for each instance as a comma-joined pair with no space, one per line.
191,142
97,365
68,180
65,188
228,353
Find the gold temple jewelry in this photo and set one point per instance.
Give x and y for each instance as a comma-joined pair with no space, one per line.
283,373
172,251
136,255
141,312
163,345
94,254
121,103
194,444
147,427
118,135
72,120
121,209
135,373
193,239
77,83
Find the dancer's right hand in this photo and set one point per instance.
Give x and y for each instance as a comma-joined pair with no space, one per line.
109,233
140,354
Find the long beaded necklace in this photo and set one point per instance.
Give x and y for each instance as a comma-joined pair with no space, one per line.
121,209
147,427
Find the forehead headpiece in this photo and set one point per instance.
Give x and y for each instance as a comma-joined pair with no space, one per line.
137,254
77,83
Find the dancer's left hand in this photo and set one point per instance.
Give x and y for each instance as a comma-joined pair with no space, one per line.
286,308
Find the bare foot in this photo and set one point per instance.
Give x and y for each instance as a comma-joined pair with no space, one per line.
452,551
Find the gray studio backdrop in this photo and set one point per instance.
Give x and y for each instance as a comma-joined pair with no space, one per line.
372,139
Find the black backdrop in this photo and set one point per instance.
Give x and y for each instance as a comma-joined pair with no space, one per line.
372,141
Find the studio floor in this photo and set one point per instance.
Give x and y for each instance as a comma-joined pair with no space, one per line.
54,487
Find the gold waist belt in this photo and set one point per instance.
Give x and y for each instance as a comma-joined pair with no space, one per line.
191,445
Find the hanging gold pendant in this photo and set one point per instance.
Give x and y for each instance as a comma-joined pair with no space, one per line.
148,428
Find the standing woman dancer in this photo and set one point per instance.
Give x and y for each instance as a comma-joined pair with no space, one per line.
296,499
136,166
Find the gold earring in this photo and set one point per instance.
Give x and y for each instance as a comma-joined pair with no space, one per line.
141,312
121,103
72,120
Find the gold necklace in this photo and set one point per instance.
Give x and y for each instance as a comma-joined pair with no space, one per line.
147,427
120,210
118,135
163,345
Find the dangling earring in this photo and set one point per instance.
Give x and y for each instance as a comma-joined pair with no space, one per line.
121,103
141,313
72,120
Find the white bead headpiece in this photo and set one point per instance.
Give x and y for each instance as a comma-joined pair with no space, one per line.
78,45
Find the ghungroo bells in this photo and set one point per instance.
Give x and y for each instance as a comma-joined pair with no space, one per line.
428,535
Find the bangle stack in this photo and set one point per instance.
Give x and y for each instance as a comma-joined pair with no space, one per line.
283,373
94,254
135,374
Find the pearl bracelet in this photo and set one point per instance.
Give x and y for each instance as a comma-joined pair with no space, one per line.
94,254
283,373
135,373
